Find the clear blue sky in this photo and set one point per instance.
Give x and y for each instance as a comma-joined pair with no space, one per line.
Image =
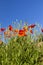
27,10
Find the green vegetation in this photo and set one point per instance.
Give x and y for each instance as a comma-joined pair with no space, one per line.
21,51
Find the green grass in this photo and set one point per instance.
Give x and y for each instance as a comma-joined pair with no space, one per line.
21,51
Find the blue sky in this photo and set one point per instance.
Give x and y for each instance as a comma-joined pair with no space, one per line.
26,10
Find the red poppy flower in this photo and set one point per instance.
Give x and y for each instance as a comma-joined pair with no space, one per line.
21,33
31,31
10,27
32,26
42,30
2,29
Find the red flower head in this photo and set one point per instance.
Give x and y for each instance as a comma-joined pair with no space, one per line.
32,26
10,27
21,33
2,29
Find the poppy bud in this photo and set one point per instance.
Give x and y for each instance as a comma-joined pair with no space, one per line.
10,28
2,29
32,26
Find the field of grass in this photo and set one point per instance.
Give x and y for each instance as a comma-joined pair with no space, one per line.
22,46
21,51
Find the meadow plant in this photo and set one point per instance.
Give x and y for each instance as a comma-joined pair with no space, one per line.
21,45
